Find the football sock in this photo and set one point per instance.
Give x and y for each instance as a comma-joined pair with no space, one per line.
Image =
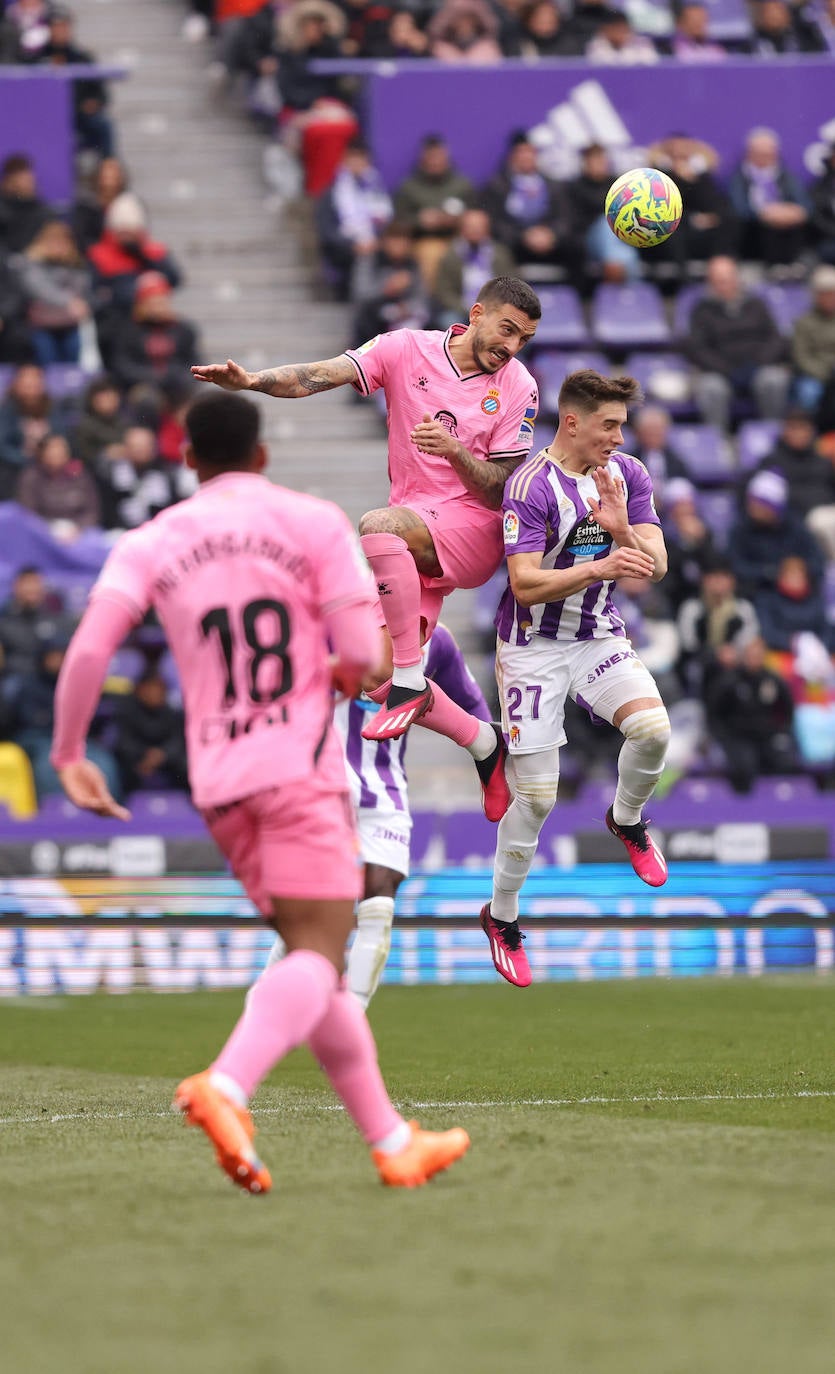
640,762
344,1046
371,946
283,1007
398,586
446,717
534,779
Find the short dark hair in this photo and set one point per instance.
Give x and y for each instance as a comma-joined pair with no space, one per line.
224,429
511,291
588,390
15,162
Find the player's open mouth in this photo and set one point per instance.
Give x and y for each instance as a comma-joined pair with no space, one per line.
497,358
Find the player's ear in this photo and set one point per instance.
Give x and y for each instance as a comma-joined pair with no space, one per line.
189,458
476,312
260,458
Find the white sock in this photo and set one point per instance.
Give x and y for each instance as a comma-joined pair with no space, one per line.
484,742
411,676
534,780
229,1088
640,762
371,946
395,1141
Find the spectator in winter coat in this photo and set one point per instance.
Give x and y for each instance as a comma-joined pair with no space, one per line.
822,196
135,483
809,477
151,745
711,622
471,259
56,281
767,532
749,713
616,44
93,129
58,488
691,41
793,605
88,215
22,212
35,709
27,413
690,545
29,619
656,450
709,225
464,31
530,213
351,213
770,201
543,33
155,346
781,28
606,256
736,347
431,201
813,341
15,338
100,428
387,286
119,258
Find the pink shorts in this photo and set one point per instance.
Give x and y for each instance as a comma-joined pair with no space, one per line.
290,841
469,544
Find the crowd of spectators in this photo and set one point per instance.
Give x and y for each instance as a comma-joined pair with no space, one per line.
94,381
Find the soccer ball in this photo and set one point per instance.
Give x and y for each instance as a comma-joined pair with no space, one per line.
643,207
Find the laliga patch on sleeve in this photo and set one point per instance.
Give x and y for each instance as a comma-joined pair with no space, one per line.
525,432
366,347
511,527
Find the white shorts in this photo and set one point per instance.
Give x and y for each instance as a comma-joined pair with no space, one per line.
535,679
384,838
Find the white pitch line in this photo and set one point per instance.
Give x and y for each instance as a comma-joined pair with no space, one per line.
294,1109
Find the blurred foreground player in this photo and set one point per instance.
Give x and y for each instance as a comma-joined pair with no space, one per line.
377,776
250,582
461,410
577,516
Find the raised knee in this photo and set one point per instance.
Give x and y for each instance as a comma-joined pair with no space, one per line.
648,730
538,801
373,522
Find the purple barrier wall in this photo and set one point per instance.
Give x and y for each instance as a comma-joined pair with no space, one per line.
36,118
573,104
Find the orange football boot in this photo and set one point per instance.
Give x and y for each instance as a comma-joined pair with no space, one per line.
229,1128
427,1154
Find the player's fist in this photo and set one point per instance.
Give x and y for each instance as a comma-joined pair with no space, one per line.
229,375
625,563
346,680
85,786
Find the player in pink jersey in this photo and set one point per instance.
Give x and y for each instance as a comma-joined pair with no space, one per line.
461,411
252,583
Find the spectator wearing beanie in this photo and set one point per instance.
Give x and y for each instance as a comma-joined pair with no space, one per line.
154,347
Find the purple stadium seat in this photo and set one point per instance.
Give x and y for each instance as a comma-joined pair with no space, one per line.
829,592
706,452
65,379
755,438
7,371
683,309
72,587
160,806
551,367
167,669
629,316
786,301
785,792
127,662
665,378
719,510
563,324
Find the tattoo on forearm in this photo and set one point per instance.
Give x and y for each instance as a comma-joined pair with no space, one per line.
304,379
485,480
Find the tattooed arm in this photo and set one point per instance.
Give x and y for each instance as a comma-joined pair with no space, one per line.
292,382
483,479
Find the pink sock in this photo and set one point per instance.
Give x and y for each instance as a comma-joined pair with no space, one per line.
380,693
282,1009
398,585
446,717
344,1046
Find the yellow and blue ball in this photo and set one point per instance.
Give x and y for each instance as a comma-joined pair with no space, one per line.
643,207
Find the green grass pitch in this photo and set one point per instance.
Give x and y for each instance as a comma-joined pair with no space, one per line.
651,1188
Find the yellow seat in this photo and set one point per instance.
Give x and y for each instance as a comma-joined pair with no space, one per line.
17,786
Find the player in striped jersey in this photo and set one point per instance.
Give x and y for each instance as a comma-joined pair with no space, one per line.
377,778
577,517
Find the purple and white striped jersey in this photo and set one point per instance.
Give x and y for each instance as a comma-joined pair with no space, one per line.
546,511
376,768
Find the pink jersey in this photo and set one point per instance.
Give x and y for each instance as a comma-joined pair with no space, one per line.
241,575
491,413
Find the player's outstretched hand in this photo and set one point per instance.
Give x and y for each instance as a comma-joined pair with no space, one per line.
610,510
625,563
85,786
229,375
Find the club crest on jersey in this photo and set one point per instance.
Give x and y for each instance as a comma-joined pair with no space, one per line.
448,420
515,734
366,347
511,527
491,404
